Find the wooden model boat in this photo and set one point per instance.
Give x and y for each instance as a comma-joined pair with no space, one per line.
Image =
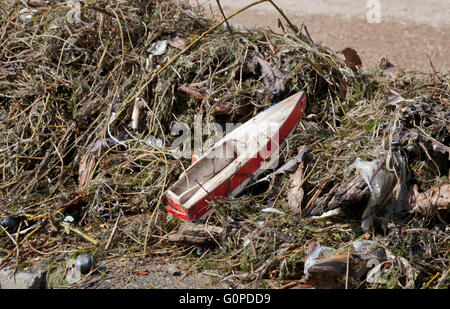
235,160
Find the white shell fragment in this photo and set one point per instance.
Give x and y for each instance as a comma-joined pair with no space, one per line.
157,48
272,210
26,14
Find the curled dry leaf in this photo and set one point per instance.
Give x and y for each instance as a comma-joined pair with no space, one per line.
351,58
272,77
296,192
177,42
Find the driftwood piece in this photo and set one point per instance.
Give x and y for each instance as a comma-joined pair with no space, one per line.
197,234
331,273
438,197
354,193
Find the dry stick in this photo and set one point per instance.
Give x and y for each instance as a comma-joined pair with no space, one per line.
288,285
84,235
291,25
113,231
224,16
280,25
15,244
434,70
347,271
309,37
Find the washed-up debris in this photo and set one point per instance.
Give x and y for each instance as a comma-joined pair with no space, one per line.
327,269
390,69
393,101
374,186
228,166
137,115
200,234
369,250
84,263
81,265
201,250
289,167
380,182
72,274
317,253
328,214
69,219
193,91
355,192
336,272
381,272
67,224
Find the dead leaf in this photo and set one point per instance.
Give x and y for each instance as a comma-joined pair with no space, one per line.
272,77
177,42
394,101
85,170
351,58
296,192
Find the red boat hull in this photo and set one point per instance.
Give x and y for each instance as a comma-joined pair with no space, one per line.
202,207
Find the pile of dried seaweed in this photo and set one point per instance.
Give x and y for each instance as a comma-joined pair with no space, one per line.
88,98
